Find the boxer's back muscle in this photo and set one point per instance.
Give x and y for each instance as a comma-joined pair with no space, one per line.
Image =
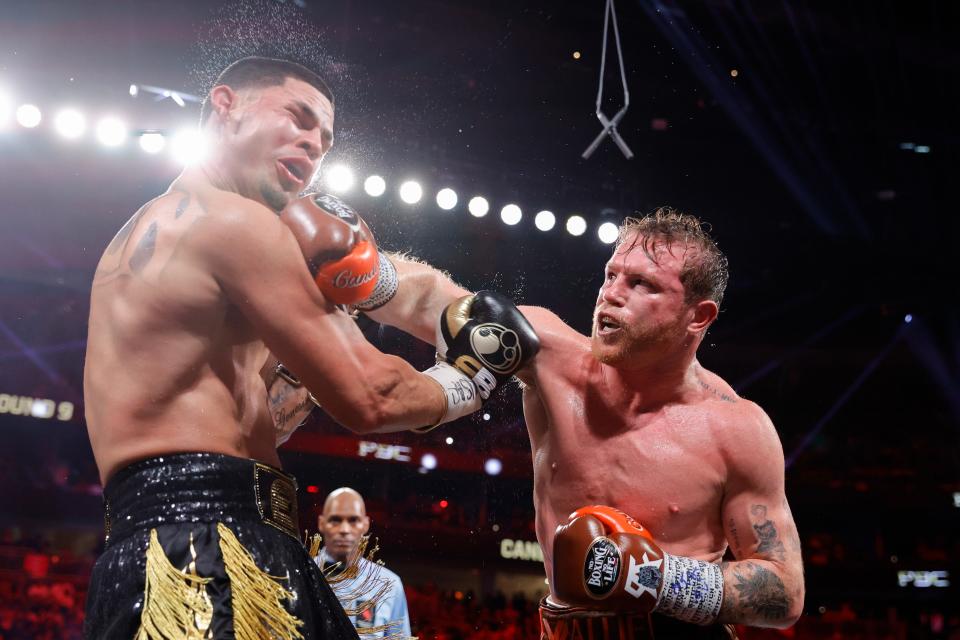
171,366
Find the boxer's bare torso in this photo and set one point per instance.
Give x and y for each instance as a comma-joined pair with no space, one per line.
171,364
664,465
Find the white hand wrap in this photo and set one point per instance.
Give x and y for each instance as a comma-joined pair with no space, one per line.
462,397
692,590
387,284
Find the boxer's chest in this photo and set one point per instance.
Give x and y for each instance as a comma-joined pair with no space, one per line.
664,469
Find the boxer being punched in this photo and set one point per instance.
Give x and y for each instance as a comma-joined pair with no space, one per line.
628,419
188,302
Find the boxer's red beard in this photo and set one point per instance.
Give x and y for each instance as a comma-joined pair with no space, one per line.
635,345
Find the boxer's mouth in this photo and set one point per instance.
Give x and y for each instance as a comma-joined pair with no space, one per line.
606,324
294,171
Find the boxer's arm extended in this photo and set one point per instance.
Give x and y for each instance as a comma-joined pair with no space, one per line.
422,293
764,587
258,264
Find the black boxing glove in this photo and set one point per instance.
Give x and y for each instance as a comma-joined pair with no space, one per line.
340,251
605,560
482,341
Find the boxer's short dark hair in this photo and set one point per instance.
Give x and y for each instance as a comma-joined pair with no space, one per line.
256,71
705,273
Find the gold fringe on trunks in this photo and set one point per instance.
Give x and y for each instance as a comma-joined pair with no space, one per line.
258,610
370,590
175,603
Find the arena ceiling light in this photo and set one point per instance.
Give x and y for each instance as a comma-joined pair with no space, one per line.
188,146
411,192
339,178
545,220
428,461
608,232
28,115
446,199
511,214
374,186
576,225
152,141
493,466
70,123
111,131
478,206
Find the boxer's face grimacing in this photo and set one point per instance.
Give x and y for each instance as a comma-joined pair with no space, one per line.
640,315
277,137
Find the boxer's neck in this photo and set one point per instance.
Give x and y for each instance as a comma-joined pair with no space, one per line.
648,388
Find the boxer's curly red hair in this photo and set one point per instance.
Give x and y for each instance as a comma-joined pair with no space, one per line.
705,271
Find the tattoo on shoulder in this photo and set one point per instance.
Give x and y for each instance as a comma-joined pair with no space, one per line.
759,591
145,248
770,544
182,206
720,394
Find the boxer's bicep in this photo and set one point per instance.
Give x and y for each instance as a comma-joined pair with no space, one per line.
558,341
259,266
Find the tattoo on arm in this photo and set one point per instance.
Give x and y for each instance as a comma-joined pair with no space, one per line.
735,538
770,544
145,248
757,593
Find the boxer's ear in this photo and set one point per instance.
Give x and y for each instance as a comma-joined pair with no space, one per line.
222,100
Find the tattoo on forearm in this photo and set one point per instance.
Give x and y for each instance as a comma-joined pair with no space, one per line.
770,544
760,593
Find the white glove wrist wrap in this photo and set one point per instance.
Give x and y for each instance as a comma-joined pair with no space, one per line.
692,590
462,397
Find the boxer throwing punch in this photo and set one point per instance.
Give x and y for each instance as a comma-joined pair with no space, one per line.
647,466
188,302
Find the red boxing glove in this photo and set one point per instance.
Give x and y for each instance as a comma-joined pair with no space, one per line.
604,559
340,250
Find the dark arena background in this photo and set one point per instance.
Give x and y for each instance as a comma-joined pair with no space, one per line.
819,139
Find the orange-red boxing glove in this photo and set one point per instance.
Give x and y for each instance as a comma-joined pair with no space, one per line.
340,250
603,559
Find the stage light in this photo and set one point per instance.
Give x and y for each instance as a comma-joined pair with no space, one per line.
545,220
449,440
428,461
111,131
576,225
134,90
443,505
734,73
152,142
374,186
493,467
28,115
446,199
486,416
338,178
411,192
478,207
908,318
312,488
176,98
921,148
70,123
511,214
608,232
189,146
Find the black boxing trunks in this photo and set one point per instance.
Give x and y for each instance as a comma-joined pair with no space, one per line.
203,545
569,623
